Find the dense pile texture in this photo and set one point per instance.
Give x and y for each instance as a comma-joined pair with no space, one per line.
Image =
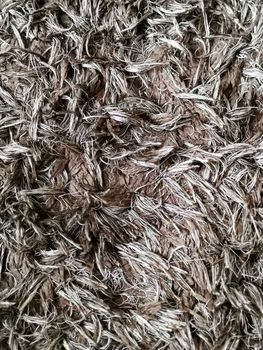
130,174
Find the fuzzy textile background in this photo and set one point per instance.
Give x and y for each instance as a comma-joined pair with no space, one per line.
131,157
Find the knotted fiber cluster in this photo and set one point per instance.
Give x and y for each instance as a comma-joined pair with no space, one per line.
131,161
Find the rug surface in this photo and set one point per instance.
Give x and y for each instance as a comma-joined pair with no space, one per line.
131,156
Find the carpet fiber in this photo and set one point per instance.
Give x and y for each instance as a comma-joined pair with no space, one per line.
131,158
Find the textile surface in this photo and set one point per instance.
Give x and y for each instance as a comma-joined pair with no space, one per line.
131,174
